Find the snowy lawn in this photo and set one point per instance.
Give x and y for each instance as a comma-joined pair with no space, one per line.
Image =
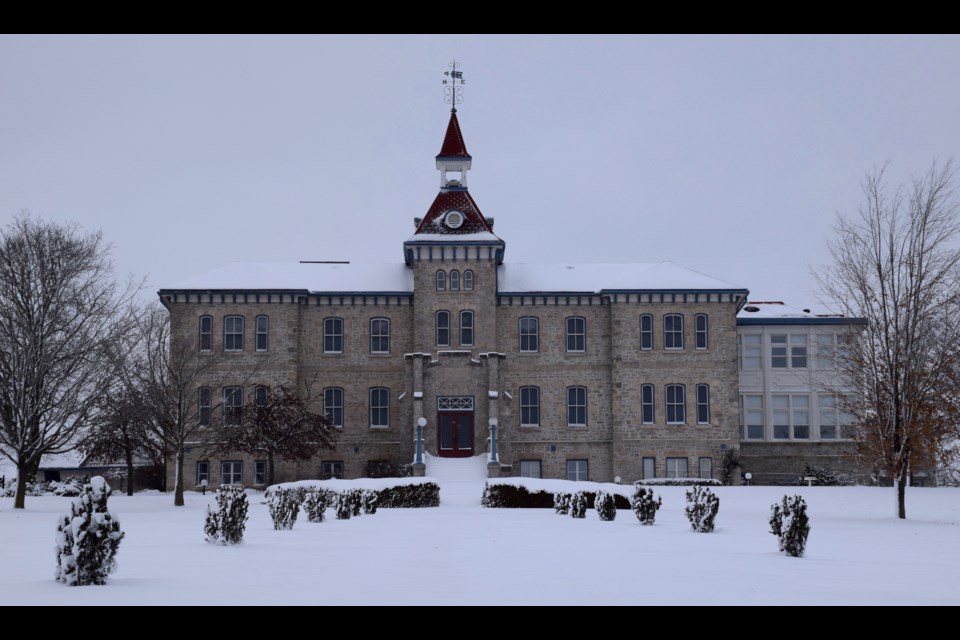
462,554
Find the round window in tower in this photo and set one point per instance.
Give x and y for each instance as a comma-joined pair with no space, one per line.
454,219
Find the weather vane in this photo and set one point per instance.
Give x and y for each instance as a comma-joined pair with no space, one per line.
453,86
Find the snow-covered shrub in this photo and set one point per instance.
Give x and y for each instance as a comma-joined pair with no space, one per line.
508,496
284,505
702,508
606,506
789,522
826,478
315,503
356,502
413,496
369,499
561,503
226,525
645,506
88,538
343,505
578,505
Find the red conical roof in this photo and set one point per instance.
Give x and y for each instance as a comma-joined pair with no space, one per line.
453,144
474,221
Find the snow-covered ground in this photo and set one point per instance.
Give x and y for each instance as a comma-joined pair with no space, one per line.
460,553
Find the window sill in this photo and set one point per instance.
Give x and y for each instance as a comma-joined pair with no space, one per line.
373,428
576,426
529,426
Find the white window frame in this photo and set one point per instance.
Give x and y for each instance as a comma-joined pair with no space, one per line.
672,405
527,468
379,335
577,332
828,415
648,405
577,404
529,327
204,406
646,333
441,280
701,334
672,334
379,401
330,469
206,333
333,331
752,409
333,405
467,326
580,468
703,404
648,460
203,475
262,333
468,280
792,351
442,327
675,470
232,399
529,404
259,472
750,351
233,476
454,280
705,466
792,406
231,333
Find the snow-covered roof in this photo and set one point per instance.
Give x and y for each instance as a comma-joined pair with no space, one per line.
655,276
776,312
68,460
397,278
479,236
315,277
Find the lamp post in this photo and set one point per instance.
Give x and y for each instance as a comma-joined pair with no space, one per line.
493,441
421,423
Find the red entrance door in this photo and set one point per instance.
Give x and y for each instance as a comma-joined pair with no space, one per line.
456,434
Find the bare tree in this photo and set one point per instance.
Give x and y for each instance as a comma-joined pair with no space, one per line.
278,424
897,264
167,375
61,311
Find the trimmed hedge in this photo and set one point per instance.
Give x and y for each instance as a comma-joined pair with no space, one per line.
409,496
677,482
508,496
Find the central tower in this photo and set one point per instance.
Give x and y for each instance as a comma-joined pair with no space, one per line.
454,255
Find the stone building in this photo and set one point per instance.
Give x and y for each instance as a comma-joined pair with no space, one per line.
592,372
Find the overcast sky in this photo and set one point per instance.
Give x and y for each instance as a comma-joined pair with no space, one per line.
729,155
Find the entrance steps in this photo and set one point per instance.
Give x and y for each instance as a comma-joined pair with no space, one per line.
461,480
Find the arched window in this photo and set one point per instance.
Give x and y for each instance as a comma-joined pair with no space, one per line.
233,333
576,406
333,405
454,280
443,328
576,334
261,396
529,406
263,332
206,333
380,335
676,404
468,280
441,280
466,328
204,401
673,331
647,406
333,335
646,332
700,326
529,335
379,408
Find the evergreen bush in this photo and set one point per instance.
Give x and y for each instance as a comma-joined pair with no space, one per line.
88,538
315,503
645,506
226,525
578,505
561,503
284,505
789,522
343,505
702,508
369,502
606,506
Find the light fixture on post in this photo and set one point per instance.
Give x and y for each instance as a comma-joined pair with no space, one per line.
421,423
493,441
